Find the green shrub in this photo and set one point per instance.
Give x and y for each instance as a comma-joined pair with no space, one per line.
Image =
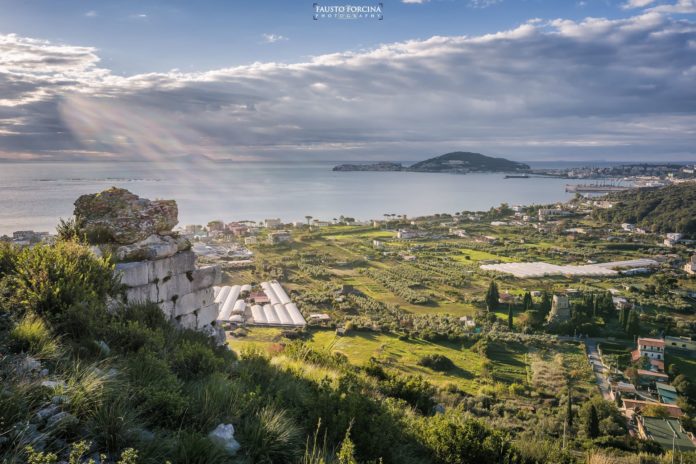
155,390
8,258
31,335
415,390
113,424
64,283
455,439
212,401
193,360
194,448
270,436
131,336
437,362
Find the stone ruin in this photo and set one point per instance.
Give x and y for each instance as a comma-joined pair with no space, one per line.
560,310
153,262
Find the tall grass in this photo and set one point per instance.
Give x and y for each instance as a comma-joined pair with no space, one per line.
86,386
32,335
270,436
113,424
194,448
212,401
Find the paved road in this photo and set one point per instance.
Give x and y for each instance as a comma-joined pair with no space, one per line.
600,370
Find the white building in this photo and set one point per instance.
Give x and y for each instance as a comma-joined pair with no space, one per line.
653,348
272,223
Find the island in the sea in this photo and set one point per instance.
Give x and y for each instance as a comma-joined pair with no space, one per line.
455,162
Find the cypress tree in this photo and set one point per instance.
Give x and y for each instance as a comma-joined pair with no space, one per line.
545,307
492,296
592,425
510,317
527,302
633,324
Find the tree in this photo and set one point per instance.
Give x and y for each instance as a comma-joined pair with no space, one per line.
527,302
510,321
308,218
633,324
545,306
591,425
569,408
492,296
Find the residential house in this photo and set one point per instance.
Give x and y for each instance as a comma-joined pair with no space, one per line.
653,348
666,393
680,344
280,236
668,433
273,223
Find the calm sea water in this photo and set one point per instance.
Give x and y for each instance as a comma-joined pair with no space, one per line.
34,196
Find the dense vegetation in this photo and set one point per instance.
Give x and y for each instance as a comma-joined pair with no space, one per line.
127,385
666,209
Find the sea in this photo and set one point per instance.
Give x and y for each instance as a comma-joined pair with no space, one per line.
33,196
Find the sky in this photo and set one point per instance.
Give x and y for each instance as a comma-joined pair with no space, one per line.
87,80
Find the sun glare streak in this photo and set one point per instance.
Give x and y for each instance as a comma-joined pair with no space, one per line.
138,133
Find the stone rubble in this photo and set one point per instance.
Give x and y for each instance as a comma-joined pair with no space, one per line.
153,263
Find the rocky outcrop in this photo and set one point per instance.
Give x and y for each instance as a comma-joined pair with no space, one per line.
119,216
153,263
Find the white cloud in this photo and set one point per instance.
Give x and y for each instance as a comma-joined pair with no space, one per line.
595,88
631,4
680,7
415,1
91,14
483,3
273,38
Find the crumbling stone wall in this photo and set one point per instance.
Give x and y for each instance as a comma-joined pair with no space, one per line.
154,264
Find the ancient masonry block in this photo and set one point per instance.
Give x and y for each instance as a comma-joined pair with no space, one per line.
156,265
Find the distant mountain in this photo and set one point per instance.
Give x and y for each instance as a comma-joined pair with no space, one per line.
464,161
455,162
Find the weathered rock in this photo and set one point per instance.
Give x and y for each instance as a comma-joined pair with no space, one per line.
223,435
134,274
153,247
61,420
179,285
53,384
187,321
192,301
142,294
44,413
180,263
206,315
206,277
29,365
117,215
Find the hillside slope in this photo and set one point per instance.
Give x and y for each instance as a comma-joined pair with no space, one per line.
661,210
